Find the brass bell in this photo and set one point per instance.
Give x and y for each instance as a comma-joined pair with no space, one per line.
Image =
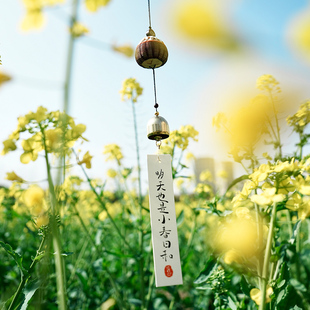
157,128
151,52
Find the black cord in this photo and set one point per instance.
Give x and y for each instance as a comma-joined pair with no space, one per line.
156,104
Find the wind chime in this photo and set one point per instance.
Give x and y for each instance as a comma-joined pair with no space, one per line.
152,53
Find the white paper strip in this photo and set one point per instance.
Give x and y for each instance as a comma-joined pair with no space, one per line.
166,253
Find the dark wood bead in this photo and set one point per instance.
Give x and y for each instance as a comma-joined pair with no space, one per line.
151,53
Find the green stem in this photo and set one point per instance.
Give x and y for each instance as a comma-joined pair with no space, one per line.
277,124
70,54
59,263
24,279
141,234
100,254
106,210
264,279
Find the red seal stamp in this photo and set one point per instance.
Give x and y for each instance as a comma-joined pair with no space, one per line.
168,271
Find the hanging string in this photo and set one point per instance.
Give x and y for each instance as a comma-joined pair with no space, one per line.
155,96
149,10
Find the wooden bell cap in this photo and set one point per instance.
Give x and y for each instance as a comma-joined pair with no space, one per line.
151,52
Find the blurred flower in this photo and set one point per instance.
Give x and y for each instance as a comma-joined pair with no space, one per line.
111,173
219,120
205,176
238,234
86,160
131,90
261,173
299,33
232,256
255,294
34,196
222,174
4,78
301,118
34,16
126,50
202,22
42,220
12,176
189,156
78,30
179,182
9,145
32,147
108,304
113,152
268,83
94,5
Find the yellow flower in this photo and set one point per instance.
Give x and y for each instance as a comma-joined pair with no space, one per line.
286,166
12,176
219,120
86,160
202,22
203,188
113,152
53,139
294,202
256,295
267,197
179,182
78,30
94,5
9,145
189,156
301,118
205,176
126,50
268,83
302,185
232,256
42,220
222,174
34,196
243,213
299,33
111,173
131,90
34,19
31,147
238,234
261,173
4,78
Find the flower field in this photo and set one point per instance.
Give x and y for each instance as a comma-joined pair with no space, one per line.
73,241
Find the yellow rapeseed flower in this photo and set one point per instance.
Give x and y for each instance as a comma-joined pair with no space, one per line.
86,160
113,152
125,50
267,82
256,295
267,197
4,78
12,176
42,220
111,173
206,176
78,30
9,145
34,196
131,90
94,5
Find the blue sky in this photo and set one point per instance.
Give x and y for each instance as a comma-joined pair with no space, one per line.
192,87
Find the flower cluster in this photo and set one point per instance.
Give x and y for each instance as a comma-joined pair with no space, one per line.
131,90
54,132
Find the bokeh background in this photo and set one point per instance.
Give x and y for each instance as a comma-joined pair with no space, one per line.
217,50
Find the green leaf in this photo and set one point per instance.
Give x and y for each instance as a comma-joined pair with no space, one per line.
245,286
18,259
298,286
231,304
236,181
28,295
281,296
295,232
295,308
211,265
180,218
